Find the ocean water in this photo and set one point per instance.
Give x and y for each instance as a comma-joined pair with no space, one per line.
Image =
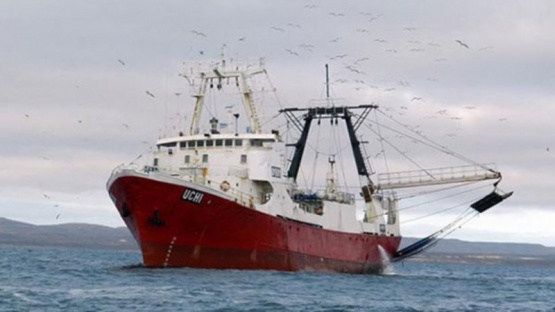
57,279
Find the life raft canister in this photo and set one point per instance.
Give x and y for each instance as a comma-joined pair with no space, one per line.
224,186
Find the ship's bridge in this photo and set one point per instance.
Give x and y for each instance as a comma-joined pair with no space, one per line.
217,141
241,165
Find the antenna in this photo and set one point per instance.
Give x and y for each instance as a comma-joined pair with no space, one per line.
236,115
327,83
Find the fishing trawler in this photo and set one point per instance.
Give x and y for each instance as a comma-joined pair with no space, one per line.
220,198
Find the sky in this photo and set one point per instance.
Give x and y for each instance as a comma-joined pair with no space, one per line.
475,75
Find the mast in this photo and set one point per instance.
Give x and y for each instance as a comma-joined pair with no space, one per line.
333,112
327,83
216,72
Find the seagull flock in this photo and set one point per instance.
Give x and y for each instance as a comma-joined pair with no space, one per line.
355,69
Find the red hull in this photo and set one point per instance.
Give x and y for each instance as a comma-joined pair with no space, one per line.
221,234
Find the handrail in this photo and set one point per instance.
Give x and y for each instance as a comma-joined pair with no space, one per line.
435,176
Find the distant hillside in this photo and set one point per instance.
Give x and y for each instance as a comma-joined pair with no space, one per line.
457,251
98,236
65,235
455,246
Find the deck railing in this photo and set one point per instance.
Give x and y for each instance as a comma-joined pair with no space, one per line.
437,176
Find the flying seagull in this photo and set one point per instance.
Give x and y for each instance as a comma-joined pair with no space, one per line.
462,44
121,62
149,93
198,33
292,52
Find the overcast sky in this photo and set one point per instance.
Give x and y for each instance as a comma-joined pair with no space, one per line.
74,75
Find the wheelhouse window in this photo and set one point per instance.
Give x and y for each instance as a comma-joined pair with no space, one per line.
228,142
200,143
238,142
256,143
209,143
205,158
182,145
170,144
219,143
260,142
155,162
191,144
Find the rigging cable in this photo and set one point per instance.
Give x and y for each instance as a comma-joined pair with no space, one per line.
431,143
439,211
381,138
339,153
404,154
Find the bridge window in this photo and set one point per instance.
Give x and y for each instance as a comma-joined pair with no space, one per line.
170,144
191,144
238,142
200,143
261,142
219,143
256,142
182,145
228,142
209,143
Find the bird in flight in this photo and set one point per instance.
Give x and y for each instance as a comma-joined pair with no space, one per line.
416,98
307,47
121,62
462,44
338,56
336,14
362,59
58,216
149,93
485,48
198,33
292,52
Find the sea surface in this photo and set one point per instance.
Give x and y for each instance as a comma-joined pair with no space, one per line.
58,279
